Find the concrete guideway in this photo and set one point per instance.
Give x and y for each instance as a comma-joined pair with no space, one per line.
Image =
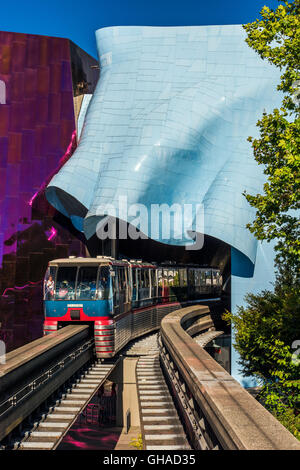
160,424
214,401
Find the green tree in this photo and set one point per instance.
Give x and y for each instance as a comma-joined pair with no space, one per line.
269,323
276,38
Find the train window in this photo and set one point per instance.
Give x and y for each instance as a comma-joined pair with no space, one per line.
140,279
202,278
65,283
115,288
166,278
86,283
173,277
215,277
121,276
182,277
49,283
134,284
145,277
103,282
191,277
160,277
197,277
152,277
208,278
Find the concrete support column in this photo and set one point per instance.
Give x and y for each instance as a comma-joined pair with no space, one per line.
127,399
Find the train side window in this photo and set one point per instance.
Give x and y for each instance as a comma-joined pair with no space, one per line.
166,277
197,277
183,277
176,281
160,277
49,283
214,277
134,284
202,278
153,278
122,281
145,274
140,278
208,277
115,286
191,277
128,284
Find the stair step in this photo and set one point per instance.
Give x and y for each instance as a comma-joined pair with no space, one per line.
37,445
59,425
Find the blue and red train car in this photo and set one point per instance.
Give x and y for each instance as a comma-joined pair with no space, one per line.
121,299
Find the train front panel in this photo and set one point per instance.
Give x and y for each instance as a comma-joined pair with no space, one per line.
76,293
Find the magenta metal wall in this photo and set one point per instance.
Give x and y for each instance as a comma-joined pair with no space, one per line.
36,126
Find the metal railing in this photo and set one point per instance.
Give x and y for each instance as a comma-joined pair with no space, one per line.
44,378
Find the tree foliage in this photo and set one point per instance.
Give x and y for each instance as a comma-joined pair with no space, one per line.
276,38
267,326
264,332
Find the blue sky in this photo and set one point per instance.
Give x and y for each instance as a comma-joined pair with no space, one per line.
79,19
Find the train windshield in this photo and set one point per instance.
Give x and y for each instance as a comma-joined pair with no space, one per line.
86,283
65,283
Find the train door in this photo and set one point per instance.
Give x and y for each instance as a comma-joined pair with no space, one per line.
146,291
160,282
122,288
127,297
191,283
202,280
153,285
141,282
173,277
183,283
165,289
198,290
135,288
216,284
115,289
129,284
208,281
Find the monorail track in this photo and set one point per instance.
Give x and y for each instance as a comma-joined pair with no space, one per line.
160,423
45,385
186,399
161,427
48,431
45,427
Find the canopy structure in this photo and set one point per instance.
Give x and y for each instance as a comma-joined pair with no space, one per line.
168,124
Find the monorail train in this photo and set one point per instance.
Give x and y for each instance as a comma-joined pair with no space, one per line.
124,299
